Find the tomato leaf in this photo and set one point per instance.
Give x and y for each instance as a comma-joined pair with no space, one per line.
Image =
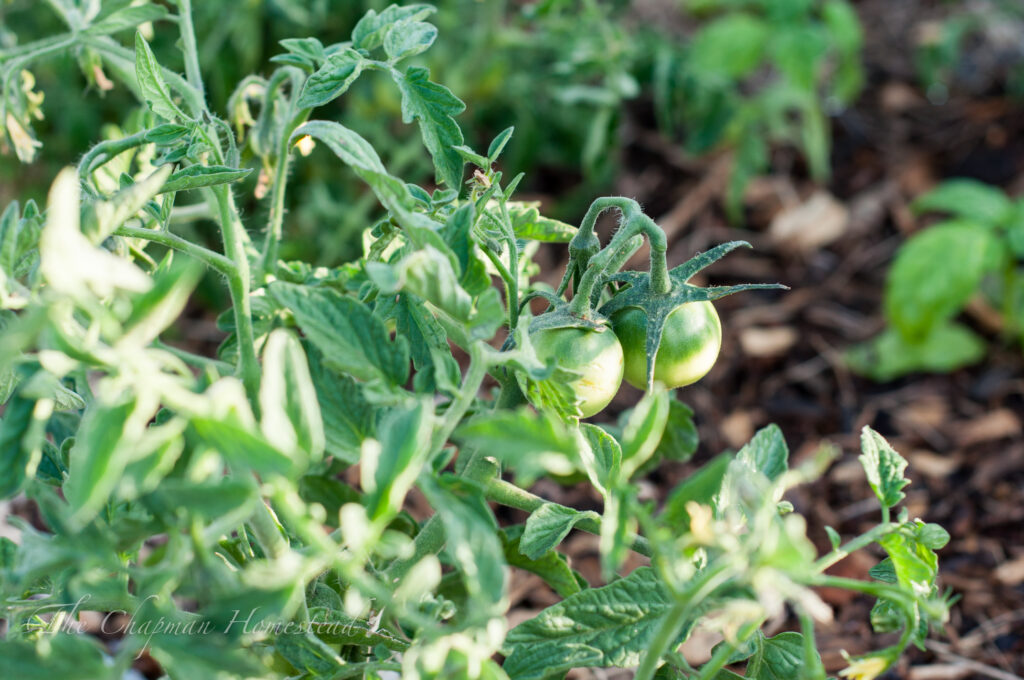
332,79
151,82
883,467
547,526
434,107
348,334
610,626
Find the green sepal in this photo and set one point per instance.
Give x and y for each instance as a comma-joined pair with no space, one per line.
658,307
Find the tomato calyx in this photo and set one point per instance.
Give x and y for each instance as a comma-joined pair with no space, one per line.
640,293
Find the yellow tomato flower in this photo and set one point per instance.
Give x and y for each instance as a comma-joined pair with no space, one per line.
865,668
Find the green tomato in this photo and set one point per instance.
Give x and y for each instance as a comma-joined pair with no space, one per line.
596,356
689,344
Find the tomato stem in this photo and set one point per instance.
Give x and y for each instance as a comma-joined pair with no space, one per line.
189,48
233,233
591,267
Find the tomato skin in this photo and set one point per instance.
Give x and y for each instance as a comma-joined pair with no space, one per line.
596,355
689,344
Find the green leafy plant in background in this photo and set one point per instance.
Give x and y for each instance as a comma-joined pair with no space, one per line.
976,252
759,73
563,71
246,511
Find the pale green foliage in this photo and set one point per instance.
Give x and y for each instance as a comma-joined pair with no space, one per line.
221,494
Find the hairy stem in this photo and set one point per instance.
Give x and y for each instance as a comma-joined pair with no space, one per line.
233,233
213,260
864,540
106,151
698,590
188,47
275,227
505,493
662,642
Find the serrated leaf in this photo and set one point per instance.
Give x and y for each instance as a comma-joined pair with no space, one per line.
436,368
127,17
332,79
766,453
409,38
199,176
370,30
601,627
529,442
528,223
434,106
151,82
547,526
778,658
884,571
915,564
551,566
360,155
884,467
346,332
428,274
348,417
307,48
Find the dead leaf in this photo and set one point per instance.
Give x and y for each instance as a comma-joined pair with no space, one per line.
811,225
737,428
1011,573
995,425
767,342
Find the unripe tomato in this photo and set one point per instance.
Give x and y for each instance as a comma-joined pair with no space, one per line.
689,344
596,356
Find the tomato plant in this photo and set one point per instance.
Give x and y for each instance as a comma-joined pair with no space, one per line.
243,513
